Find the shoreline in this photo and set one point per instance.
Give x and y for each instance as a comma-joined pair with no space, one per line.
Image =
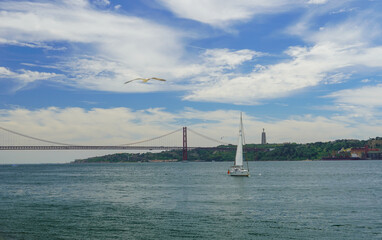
188,161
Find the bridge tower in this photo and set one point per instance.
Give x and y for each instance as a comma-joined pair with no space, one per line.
184,143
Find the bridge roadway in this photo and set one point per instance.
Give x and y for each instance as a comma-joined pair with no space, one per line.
70,147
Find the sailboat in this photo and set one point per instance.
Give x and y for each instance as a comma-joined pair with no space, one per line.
237,169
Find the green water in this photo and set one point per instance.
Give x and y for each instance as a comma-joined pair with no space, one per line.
281,200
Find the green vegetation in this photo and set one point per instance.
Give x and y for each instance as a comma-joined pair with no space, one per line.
312,151
267,152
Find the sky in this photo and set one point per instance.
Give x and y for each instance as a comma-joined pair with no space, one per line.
304,70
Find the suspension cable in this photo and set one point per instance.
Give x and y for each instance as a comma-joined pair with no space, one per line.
147,140
127,144
34,138
204,136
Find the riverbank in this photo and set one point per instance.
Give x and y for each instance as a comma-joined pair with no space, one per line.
334,150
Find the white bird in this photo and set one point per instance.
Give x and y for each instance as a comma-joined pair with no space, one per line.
145,80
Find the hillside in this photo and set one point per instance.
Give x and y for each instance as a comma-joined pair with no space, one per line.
267,152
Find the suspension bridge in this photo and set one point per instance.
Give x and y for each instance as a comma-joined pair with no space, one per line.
181,139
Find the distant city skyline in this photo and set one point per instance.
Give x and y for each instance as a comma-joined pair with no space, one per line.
305,70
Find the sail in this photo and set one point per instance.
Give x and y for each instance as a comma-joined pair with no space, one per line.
239,150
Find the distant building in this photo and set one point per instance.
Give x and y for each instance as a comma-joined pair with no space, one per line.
375,142
375,155
366,153
263,137
360,153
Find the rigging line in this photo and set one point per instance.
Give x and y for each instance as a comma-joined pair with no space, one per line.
38,139
242,130
147,140
201,135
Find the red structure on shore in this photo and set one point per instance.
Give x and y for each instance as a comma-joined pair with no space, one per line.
363,153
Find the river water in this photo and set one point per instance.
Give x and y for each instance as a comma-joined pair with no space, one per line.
281,200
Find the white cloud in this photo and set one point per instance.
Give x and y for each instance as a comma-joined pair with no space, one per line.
102,3
111,33
322,63
79,126
30,45
114,48
223,13
30,76
317,1
5,72
336,53
364,97
24,77
350,32
228,59
141,47
107,75
94,72
363,104
111,126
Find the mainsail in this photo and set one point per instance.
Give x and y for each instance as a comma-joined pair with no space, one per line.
239,150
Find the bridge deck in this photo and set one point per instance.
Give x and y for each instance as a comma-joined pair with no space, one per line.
118,148
88,148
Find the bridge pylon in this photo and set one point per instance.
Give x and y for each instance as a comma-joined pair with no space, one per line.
184,143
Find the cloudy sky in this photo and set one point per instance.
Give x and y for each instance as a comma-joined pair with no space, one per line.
305,70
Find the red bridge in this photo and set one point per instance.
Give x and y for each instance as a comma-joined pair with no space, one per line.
12,140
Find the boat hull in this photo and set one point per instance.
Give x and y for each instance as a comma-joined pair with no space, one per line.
238,171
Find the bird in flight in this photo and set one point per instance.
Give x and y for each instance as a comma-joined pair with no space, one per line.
145,80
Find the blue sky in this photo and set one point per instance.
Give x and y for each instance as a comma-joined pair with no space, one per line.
305,70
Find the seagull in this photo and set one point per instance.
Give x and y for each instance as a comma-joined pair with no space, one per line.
145,80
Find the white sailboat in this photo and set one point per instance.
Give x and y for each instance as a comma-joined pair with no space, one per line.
237,169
